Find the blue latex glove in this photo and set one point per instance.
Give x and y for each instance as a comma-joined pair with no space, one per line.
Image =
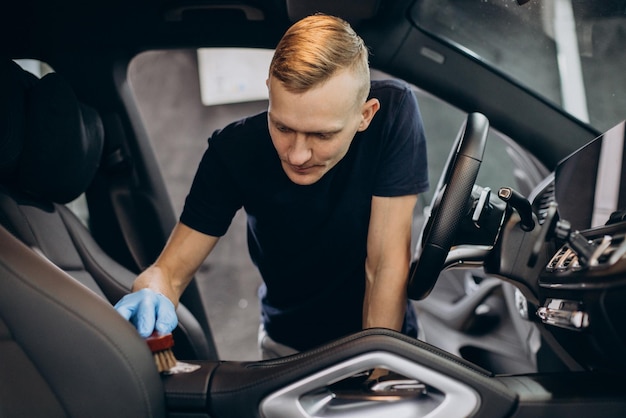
148,311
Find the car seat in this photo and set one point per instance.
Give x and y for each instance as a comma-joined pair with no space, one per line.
50,149
65,352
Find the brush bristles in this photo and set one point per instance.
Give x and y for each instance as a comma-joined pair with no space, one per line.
161,345
164,360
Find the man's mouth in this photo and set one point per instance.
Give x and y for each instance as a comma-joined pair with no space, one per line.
300,168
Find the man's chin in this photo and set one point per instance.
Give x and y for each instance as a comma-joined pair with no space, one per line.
304,179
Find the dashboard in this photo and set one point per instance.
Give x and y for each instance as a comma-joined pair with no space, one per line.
582,286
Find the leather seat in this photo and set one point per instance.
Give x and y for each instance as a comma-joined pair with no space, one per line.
65,352
51,147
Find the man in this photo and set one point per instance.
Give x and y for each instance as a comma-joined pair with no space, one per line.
328,176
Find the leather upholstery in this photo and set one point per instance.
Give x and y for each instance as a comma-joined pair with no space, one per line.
64,350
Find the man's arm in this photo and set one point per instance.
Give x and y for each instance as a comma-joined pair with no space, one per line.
181,257
157,290
387,262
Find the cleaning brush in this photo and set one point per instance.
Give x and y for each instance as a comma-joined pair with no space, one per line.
161,347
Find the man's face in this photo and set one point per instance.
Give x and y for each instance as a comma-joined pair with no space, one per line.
312,131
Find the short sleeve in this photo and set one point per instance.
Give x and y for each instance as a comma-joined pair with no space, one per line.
403,166
213,198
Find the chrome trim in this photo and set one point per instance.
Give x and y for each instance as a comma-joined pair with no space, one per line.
310,396
599,251
619,252
398,385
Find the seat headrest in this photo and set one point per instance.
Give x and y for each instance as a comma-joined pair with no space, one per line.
14,84
64,142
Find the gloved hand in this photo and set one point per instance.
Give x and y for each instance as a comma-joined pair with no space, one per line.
148,311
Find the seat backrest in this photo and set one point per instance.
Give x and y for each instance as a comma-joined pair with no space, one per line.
64,351
56,145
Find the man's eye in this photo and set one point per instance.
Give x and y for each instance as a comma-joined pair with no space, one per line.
283,129
321,135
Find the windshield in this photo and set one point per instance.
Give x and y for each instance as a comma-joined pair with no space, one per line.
571,52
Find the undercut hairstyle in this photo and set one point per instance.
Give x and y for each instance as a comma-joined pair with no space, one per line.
317,47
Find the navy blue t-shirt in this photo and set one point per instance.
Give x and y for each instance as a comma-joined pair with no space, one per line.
309,242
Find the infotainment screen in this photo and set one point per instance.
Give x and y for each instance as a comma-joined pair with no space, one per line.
590,184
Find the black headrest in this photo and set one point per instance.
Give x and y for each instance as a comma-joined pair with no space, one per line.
64,141
14,84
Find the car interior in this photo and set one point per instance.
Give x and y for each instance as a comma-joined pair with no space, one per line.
50,175
521,286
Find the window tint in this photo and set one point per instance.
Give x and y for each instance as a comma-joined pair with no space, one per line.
570,52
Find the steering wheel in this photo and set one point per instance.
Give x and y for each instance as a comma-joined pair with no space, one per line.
449,204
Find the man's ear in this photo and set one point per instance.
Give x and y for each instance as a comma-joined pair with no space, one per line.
368,111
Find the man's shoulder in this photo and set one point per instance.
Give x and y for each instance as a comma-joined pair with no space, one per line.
248,126
388,87
250,133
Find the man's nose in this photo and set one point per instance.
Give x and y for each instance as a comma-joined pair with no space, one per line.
300,151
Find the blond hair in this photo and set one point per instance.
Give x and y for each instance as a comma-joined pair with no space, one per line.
314,49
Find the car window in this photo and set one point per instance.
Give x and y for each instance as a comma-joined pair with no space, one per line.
185,95
232,75
571,53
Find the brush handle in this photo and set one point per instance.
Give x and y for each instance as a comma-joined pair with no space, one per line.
160,342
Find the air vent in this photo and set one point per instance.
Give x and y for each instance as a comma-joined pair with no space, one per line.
565,259
543,202
608,251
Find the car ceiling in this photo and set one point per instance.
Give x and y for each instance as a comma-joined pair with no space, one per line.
33,26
